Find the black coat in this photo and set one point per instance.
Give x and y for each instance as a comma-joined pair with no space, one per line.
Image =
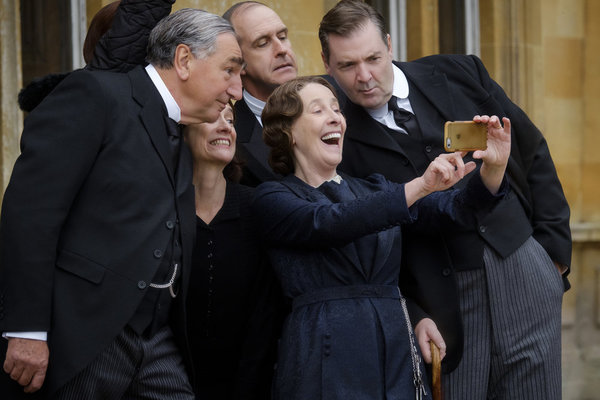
86,215
252,149
450,88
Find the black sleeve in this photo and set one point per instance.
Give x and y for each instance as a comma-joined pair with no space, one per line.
124,45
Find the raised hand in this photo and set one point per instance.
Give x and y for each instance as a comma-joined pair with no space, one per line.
498,141
441,174
495,157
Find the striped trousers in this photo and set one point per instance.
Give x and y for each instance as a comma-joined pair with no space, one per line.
133,367
511,313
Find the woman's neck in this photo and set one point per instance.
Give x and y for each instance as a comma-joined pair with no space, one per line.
314,178
210,187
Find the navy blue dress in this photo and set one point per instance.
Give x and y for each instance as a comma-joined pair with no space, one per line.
336,250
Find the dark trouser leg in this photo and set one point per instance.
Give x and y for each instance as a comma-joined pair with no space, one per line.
132,367
469,381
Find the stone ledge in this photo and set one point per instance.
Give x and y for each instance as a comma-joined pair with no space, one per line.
585,232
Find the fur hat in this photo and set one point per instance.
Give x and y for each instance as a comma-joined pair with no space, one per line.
33,94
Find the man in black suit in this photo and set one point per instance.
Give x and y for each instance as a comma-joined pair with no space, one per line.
270,61
492,291
98,221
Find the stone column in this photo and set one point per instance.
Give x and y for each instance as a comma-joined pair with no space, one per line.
10,83
422,22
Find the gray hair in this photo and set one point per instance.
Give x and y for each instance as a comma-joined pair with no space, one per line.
195,28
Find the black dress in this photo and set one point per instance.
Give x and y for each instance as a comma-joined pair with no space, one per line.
232,305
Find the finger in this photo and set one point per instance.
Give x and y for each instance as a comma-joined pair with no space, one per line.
481,119
470,167
36,382
425,349
25,377
16,372
494,122
460,167
9,364
438,340
507,125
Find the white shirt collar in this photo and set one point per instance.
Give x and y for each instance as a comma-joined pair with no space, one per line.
255,105
400,83
337,179
173,109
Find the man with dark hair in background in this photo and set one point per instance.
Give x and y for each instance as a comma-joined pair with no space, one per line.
494,292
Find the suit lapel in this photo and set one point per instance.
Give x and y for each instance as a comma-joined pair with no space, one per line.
433,85
152,116
250,143
363,128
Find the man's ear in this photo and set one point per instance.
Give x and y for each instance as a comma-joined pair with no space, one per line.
325,64
182,61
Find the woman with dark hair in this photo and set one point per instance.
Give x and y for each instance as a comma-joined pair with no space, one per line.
233,294
335,244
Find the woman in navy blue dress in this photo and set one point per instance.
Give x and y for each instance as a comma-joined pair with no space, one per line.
335,244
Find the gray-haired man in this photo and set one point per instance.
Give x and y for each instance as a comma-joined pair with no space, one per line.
97,221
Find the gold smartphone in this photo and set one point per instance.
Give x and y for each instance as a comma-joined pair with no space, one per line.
464,136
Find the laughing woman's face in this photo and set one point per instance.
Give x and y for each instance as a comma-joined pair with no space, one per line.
318,132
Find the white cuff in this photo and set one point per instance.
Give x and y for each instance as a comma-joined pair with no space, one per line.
27,335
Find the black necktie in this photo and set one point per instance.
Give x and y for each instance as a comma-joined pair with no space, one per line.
404,118
174,136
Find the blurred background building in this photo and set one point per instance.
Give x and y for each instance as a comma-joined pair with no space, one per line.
545,53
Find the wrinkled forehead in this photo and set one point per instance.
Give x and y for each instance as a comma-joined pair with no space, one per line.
362,42
254,20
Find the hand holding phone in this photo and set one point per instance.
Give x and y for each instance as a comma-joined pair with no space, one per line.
465,136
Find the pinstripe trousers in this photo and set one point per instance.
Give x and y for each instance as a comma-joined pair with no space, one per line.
511,313
133,367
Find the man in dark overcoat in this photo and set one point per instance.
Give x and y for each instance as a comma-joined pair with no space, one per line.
493,291
98,220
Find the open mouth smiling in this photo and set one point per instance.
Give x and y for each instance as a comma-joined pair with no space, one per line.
221,142
332,138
